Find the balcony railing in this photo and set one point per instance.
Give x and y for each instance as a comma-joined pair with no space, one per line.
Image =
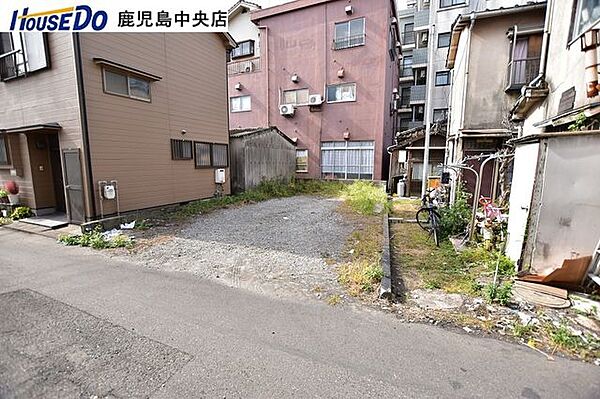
347,42
405,102
408,38
245,66
10,65
521,72
406,72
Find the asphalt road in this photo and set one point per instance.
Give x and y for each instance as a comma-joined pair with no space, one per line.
197,339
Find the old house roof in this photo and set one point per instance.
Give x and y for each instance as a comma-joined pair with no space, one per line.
407,137
239,133
462,21
242,4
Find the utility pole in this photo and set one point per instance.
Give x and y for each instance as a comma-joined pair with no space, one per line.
428,111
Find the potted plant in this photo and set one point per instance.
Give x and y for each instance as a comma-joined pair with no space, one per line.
3,196
13,191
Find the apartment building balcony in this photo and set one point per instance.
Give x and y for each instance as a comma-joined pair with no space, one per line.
521,72
417,94
406,12
420,56
404,105
422,19
406,74
408,38
245,66
11,65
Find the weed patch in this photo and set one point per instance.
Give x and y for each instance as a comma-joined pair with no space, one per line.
96,240
362,273
366,198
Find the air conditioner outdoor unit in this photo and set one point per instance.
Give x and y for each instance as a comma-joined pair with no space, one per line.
315,99
287,109
248,66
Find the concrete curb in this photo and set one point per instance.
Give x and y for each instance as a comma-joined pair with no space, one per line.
385,291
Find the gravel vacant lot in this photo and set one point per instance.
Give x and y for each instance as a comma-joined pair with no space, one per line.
280,246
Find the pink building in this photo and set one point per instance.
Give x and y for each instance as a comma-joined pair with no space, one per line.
325,72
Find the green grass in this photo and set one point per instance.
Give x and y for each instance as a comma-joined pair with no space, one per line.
362,273
426,266
366,198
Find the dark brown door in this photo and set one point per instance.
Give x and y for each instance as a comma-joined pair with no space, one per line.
74,186
57,174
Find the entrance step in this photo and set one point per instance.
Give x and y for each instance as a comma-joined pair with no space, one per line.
55,221
43,231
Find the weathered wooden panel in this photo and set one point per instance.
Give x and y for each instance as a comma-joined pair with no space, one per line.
260,156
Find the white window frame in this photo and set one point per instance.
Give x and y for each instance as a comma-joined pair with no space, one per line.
295,91
349,36
305,151
127,76
341,101
231,99
350,145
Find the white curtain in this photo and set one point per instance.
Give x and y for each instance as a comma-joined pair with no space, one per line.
519,63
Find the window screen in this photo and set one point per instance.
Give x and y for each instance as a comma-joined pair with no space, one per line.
181,149
219,156
3,151
115,83
296,97
202,155
347,159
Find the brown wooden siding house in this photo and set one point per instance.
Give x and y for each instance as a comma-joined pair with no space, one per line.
147,111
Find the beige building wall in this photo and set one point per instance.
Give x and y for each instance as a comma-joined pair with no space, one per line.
43,97
130,139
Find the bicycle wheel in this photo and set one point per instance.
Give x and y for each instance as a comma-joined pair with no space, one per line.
435,227
424,219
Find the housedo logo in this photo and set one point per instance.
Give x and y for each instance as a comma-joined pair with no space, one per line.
76,18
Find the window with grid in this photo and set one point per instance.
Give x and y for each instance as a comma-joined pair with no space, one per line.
181,150
244,49
4,158
341,93
295,97
442,78
220,158
202,155
347,159
349,34
301,160
450,3
443,40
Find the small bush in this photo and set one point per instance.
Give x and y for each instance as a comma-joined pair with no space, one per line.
456,217
366,198
3,193
20,212
498,293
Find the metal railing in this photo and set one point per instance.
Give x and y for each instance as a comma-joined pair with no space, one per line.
521,72
404,101
245,66
347,42
408,38
10,66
